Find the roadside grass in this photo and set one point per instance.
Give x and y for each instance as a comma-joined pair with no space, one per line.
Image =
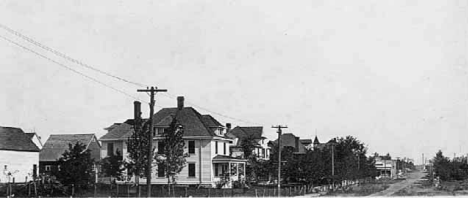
363,189
424,187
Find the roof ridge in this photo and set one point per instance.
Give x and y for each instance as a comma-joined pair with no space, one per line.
200,119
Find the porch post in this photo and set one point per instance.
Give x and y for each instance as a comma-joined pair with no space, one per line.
229,171
245,176
237,171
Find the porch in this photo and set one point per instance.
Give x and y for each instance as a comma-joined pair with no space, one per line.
228,171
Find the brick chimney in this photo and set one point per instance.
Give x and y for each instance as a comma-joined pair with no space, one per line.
180,102
228,127
136,110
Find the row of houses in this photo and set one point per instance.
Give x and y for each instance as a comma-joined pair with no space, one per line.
214,149
23,156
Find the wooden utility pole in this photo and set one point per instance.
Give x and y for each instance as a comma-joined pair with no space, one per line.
279,127
152,91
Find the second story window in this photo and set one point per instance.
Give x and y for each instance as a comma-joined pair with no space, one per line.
216,147
110,149
191,147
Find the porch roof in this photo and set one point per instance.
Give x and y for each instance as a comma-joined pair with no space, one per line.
226,159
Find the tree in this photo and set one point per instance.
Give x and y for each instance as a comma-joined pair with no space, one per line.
172,159
112,166
248,144
76,165
253,168
137,148
442,166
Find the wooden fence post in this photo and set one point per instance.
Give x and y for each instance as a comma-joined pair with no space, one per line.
256,193
139,191
35,189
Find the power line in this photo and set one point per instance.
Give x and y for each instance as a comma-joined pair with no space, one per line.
32,41
60,54
219,114
69,68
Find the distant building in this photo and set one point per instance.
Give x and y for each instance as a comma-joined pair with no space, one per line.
386,167
19,156
36,139
56,145
290,140
307,143
240,134
319,146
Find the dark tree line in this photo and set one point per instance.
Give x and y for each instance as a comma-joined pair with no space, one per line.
446,169
315,166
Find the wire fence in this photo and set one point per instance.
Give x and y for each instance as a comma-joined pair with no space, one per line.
40,189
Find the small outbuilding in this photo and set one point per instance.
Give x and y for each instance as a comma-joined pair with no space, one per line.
19,156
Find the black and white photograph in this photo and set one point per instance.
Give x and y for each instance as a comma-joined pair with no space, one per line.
233,98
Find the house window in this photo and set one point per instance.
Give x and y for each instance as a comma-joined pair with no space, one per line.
161,131
191,170
161,170
216,147
216,171
263,153
47,168
158,131
110,149
160,148
224,145
191,147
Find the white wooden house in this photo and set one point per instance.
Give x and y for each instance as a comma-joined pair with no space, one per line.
19,156
205,142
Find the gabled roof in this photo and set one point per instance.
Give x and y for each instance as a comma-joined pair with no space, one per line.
118,131
56,145
210,121
244,132
193,122
15,139
30,135
289,139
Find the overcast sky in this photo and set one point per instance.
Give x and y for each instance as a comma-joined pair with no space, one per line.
391,73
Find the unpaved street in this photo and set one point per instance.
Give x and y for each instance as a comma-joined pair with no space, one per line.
411,178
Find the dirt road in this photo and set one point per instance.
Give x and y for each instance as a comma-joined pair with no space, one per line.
411,178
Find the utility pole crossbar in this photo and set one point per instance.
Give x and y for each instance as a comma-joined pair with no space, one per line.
152,91
279,127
